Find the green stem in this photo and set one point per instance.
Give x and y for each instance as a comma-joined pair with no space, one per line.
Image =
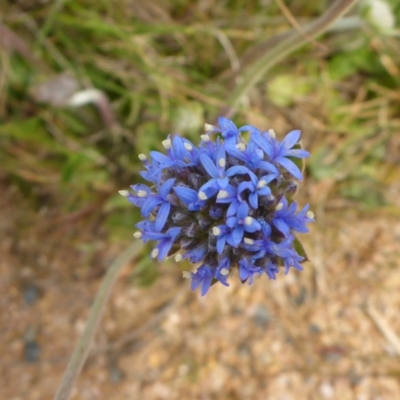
50,20
292,42
81,351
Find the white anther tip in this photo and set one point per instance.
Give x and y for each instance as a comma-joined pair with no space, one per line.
154,253
248,221
141,193
261,184
222,194
186,274
166,143
224,271
124,193
241,146
272,133
202,196
209,127
216,231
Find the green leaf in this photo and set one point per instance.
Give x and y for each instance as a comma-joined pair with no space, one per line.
300,249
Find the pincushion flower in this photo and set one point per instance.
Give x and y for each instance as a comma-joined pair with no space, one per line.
226,204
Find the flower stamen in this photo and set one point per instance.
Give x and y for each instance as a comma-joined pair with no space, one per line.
167,144
222,194
209,128
154,253
216,231
310,214
272,133
137,235
142,193
202,196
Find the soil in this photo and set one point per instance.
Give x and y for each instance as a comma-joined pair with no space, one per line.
329,332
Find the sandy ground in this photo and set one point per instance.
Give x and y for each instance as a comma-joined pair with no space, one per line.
330,332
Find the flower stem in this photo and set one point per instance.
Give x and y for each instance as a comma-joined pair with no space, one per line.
254,73
81,351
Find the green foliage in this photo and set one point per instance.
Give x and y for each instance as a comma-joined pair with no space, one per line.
167,67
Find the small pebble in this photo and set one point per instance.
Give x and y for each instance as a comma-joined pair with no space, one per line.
31,294
32,351
115,374
262,316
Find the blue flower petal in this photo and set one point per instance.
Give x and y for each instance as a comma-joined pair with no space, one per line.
221,241
209,166
281,226
150,204
231,222
253,227
243,211
298,153
223,182
266,166
155,235
186,195
236,236
253,200
203,276
264,191
245,186
162,215
166,188
290,166
164,247
237,170
210,188
174,232
226,124
160,158
291,139
264,144
178,147
232,210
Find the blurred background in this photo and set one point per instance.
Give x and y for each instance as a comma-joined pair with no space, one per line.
85,86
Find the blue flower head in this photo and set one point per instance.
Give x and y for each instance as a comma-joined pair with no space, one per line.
225,203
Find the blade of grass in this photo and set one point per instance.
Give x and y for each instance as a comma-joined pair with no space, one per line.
81,351
44,31
292,42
